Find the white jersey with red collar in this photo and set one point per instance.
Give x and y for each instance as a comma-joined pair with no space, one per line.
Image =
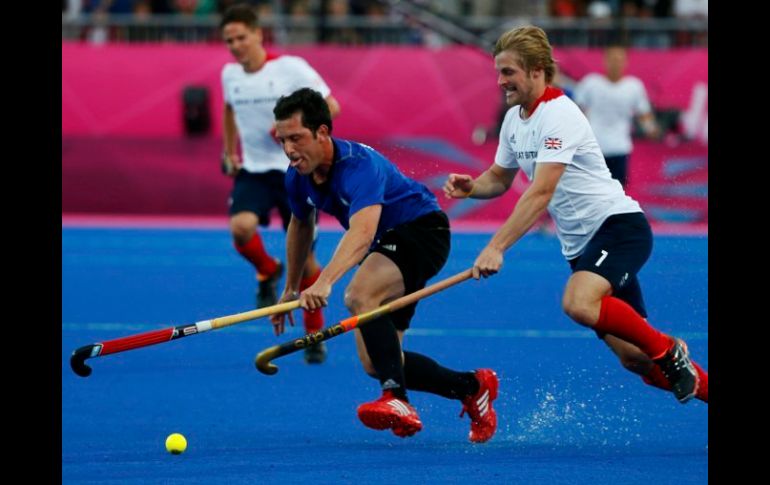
253,96
586,194
611,107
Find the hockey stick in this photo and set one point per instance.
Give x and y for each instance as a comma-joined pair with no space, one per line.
264,358
130,342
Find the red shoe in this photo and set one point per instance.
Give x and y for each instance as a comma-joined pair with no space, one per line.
479,407
389,412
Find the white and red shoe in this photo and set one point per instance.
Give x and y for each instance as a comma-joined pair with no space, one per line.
389,412
479,407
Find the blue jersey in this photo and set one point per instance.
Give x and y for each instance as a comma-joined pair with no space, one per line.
360,177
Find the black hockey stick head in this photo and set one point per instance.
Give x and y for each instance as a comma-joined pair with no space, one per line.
263,360
78,359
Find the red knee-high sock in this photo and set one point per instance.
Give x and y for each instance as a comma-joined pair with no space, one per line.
656,378
617,318
313,321
254,252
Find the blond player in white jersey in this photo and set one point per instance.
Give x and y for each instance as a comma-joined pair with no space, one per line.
603,232
611,102
251,87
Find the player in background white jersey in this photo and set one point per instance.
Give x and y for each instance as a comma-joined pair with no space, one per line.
251,88
603,232
611,102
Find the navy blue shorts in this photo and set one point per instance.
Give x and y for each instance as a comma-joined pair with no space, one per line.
260,193
419,248
617,252
618,166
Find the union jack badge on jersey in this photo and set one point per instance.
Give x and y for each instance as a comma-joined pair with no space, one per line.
553,143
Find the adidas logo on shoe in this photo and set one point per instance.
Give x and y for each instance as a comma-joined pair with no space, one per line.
389,412
479,407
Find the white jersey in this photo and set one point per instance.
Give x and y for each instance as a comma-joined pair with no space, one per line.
586,194
253,96
611,107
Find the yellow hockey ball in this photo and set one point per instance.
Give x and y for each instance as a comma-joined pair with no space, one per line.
176,443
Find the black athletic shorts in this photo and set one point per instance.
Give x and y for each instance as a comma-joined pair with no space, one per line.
617,252
260,193
419,248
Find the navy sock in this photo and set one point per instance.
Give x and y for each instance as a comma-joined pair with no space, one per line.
425,374
384,349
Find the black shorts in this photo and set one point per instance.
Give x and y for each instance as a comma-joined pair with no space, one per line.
260,193
419,248
617,252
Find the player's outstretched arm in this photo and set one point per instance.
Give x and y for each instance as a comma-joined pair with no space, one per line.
350,251
494,182
299,239
528,209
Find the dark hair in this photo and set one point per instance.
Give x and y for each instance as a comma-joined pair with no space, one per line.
315,111
242,13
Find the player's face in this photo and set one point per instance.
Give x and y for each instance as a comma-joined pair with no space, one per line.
303,149
615,61
518,85
242,41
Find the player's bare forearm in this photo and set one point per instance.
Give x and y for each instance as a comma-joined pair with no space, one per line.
334,106
528,210
229,132
649,125
533,202
492,183
299,240
350,251
354,244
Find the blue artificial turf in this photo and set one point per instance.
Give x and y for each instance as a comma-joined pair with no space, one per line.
568,413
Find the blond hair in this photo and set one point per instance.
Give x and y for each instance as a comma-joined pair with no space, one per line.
532,45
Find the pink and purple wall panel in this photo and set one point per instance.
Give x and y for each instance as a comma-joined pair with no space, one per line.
124,150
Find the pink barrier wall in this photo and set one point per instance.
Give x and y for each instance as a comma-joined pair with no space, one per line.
135,90
124,150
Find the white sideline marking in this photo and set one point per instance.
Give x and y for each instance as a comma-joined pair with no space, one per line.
414,332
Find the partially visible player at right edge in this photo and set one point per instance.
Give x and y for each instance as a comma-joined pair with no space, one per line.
398,236
604,234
